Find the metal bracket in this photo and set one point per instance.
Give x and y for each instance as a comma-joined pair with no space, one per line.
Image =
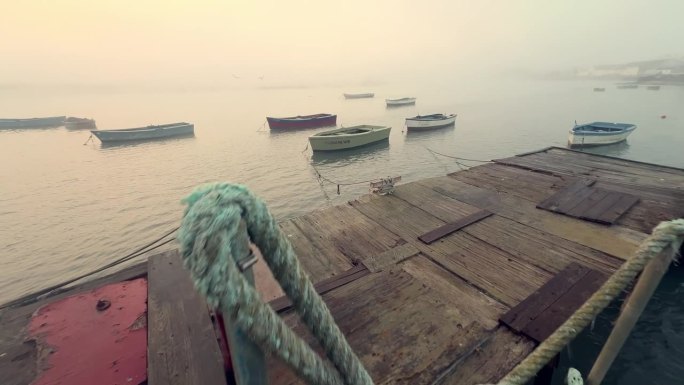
248,261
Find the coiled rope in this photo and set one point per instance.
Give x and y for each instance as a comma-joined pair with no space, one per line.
666,237
207,236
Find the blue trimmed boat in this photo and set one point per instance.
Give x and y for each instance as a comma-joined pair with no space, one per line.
145,133
599,133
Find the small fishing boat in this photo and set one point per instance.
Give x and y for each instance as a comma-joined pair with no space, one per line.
145,133
52,121
73,123
425,122
599,89
627,86
653,88
348,137
359,95
302,121
400,102
599,133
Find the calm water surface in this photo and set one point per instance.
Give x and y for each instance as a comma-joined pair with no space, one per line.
67,208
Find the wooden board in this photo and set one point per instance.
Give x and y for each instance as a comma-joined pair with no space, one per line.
656,203
182,344
391,257
449,228
568,197
532,245
579,200
464,255
401,329
528,310
549,320
491,361
283,303
617,241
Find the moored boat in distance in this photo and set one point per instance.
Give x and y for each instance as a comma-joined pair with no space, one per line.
653,88
361,95
145,133
599,133
348,137
73,123
52,121
302,121
627,86
599,89
400,102
426,122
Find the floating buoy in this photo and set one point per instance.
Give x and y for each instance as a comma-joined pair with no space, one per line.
663,116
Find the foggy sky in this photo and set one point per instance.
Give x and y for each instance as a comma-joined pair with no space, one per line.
207,42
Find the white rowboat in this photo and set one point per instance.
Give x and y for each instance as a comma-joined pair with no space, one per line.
599,133
348,137
359,95
400,102
145,133
426,122
52,121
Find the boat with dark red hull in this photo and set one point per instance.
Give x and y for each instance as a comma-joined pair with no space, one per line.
302,121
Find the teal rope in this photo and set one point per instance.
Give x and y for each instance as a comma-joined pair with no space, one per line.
207,235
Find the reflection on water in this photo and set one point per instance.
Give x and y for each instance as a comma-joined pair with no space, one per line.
144,142
354,155
426,135
616,149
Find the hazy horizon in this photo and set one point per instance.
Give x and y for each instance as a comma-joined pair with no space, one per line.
273,43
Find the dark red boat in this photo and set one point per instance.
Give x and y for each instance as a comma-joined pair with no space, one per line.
302,121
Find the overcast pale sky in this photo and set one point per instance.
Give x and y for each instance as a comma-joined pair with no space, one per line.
205,41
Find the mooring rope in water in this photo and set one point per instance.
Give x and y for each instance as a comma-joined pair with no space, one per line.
208,236
666,237
33,297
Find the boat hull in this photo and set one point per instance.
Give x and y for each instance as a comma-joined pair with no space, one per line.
145,133
416,125
597,139
53,121
359,96
80,124
294,123
332,143
400,102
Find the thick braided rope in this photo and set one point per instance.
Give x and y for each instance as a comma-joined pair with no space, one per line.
207,233
665,235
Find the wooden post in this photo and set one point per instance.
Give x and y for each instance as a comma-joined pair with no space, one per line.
635,305
249,364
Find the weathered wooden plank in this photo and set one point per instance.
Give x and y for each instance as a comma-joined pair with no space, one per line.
182,345
621,206
491,361
319,264
567,196
548,321
470,303
617,241
526,311
586,204
452,227
464,255
342,230
283,303
397,343
390,257
657,203
528,244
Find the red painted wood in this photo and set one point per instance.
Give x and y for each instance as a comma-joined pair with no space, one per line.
84,346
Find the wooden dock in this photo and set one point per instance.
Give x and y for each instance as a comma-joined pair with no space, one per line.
449,280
